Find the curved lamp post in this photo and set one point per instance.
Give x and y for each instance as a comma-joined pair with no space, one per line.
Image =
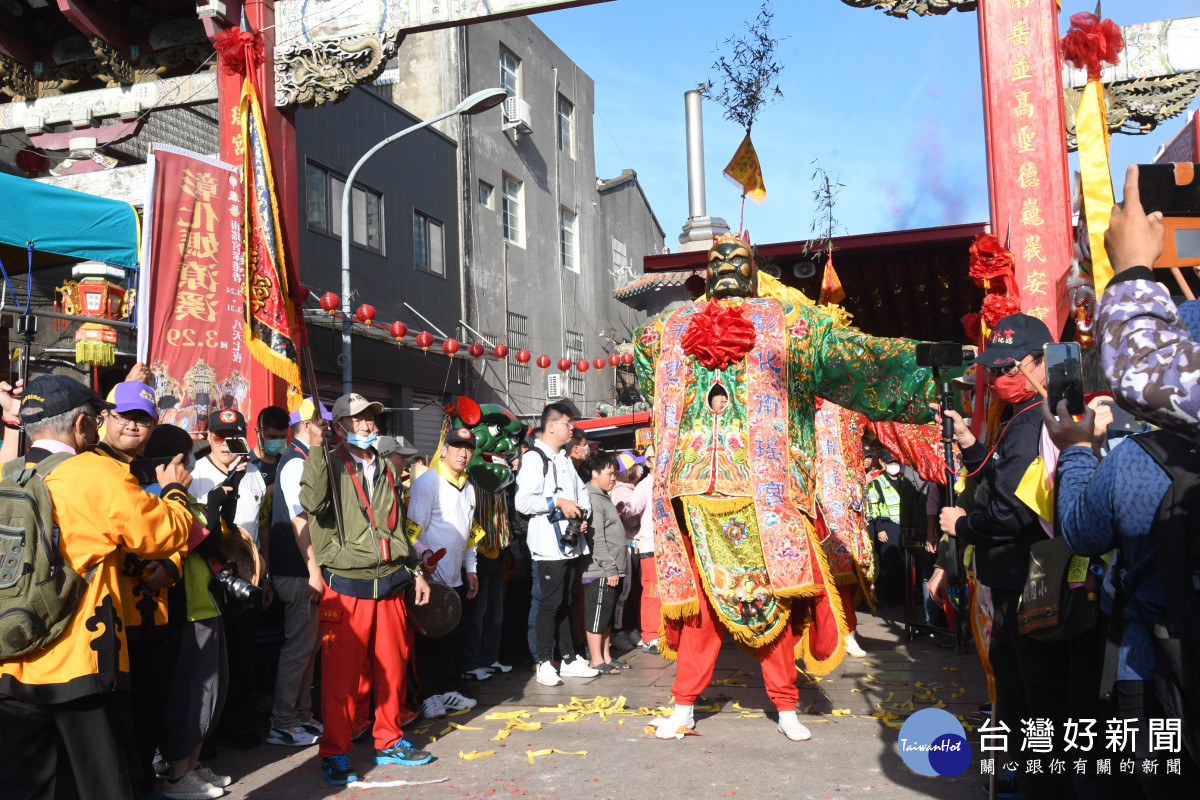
475,104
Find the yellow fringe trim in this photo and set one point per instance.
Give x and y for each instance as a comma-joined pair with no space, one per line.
804,648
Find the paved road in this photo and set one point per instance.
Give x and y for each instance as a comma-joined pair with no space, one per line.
740,754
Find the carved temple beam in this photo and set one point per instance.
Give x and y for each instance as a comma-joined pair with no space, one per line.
92,23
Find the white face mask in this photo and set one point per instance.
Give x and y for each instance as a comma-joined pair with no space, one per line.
892,469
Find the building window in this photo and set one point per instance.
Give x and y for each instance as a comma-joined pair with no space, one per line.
567,250
323,208
566,126
518,339
510,72
486,193
513,218
575,353
428,244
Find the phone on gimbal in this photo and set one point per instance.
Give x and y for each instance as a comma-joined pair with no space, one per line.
946,355
1064,377
1174,189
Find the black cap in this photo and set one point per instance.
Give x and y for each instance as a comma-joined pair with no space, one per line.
50,395
460,436
886,457
227,420
1013,338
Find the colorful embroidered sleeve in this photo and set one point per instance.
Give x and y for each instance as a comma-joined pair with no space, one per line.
876,376
647,344
1149,357
919,446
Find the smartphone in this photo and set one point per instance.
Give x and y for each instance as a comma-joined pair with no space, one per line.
143,469
1064,376
237,445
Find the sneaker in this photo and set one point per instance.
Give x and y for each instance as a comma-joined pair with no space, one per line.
189,787
294,736
853,648
403,753
478,674
547,675
578,668
505,668
791,727
161,767
650,646
208,776
337,770
454,701
313,726
668,727
432,708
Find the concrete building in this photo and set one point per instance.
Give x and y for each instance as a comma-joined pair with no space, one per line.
543,242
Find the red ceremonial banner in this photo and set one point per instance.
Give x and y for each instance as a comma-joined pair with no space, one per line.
190,314
1027,150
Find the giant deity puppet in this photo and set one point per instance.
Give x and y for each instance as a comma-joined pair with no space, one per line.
736,524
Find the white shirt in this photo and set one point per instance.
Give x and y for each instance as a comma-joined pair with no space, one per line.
370,469
535,497
287,487
445,514
251,491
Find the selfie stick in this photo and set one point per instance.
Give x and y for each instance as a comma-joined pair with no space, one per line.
946,399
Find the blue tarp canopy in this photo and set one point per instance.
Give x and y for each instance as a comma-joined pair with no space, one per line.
64,226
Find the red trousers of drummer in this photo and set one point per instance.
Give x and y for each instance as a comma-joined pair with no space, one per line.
361,637
700,643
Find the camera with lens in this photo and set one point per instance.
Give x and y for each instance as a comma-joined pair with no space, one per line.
947,355
232,593
574,530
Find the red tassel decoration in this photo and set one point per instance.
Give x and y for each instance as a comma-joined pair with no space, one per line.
239,52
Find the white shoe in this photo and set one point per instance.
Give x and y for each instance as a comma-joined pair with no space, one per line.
668,727
432,708
295,736
547,676
505,668
577,668
454,701
853,648
789,726
478,674
189,787
208,776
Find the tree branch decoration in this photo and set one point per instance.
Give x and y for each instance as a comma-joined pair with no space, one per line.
748,72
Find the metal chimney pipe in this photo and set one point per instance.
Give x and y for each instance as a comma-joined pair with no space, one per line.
695,152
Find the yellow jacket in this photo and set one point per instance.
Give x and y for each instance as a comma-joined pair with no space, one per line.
98,510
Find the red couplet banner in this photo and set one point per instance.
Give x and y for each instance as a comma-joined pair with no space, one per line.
1027,149
190,310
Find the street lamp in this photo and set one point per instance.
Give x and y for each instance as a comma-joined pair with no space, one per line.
475,104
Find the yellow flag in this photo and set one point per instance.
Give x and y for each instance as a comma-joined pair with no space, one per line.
744,170
1091,132
1032,491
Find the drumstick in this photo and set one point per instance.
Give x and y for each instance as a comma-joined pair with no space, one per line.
1036,383
1183,285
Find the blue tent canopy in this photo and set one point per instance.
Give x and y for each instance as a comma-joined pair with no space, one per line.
64,226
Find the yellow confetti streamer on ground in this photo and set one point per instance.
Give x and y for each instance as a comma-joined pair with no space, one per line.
960,693
474,754
508,715
539,753
841,712
712,708
748,715
501,735
950,669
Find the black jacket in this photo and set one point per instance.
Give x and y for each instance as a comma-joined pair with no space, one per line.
1001,527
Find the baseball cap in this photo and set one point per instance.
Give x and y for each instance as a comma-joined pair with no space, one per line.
305,412
227,420
50,395
460,436
626,460
135,396
1013,338
354,403
886,457
386,445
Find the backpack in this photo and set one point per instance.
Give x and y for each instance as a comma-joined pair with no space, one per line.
38,590
1177,634
519,522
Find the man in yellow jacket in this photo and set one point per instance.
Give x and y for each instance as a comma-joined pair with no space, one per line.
69,692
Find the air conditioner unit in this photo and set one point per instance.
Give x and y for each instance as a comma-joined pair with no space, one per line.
556,386
518,115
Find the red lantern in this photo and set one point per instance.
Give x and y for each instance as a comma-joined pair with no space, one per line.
543,360
398,329
581,365
476,350
95,293
627,358
501,351
424,340
523,357
329,302
564,364
300,295
365,313
450,347
598,362
614,360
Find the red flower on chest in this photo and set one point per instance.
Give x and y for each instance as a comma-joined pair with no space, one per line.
719,335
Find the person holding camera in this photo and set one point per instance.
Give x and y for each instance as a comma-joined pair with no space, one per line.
357,526
605,567
443,504
550,493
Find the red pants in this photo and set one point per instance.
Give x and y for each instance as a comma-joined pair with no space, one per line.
651,620
847,592
700,643
354,633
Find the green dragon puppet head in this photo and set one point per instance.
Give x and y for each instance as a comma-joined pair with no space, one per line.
497,435
731,269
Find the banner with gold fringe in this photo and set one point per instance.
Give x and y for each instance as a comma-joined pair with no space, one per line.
745,171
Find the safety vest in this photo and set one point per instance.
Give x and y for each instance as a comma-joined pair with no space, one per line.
883,501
